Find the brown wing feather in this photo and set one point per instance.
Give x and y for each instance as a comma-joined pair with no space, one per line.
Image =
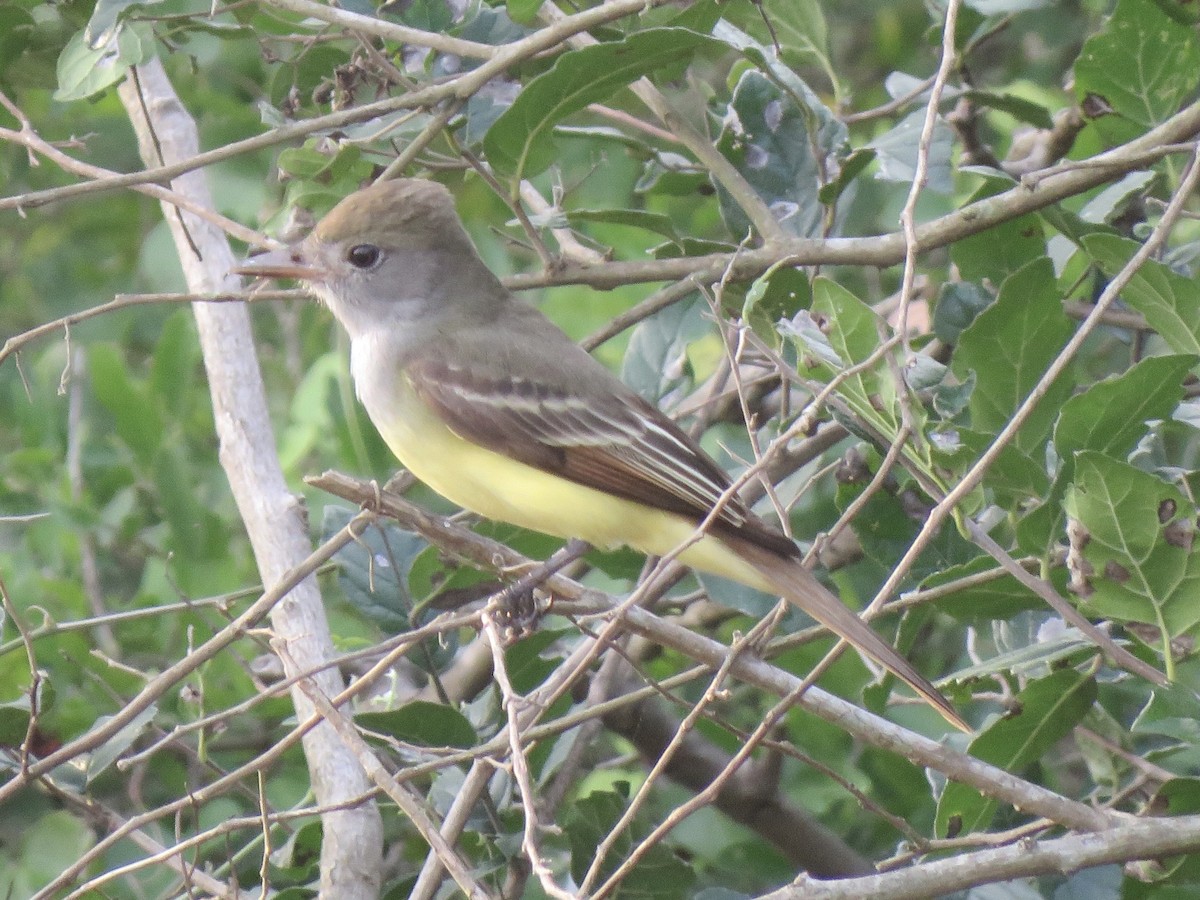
613,441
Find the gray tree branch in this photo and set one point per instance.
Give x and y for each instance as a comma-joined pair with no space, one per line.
351,851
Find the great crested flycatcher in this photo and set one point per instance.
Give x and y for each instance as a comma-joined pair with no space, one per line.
491,405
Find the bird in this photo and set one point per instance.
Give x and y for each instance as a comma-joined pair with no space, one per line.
493,406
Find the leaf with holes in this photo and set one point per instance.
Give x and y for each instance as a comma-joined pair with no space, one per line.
1139,544
520,142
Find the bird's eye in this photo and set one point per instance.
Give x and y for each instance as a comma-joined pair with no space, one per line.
363,256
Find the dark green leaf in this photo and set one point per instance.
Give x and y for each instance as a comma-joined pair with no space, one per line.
1144,64
978,602
373,570
519,143
994,254
1139,544
135,414
779,293
1045,711
14,714
827,132
896,151
527,667
767,137
1169,301
1014,478
851,167
1018,107
84,69
660,874
1112,415
422,723
428,15
1009,346
656,361
635,218
1173,711
176,357
801,31
957,306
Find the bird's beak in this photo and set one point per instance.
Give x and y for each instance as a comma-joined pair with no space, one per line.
290,262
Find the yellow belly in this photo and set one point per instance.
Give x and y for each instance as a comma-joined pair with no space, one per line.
503,489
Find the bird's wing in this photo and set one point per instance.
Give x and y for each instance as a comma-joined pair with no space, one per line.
603,436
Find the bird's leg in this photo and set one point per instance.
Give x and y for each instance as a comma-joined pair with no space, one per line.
516,606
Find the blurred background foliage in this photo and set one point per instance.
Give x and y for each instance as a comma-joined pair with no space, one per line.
113,503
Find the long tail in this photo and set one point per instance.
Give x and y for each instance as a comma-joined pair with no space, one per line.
800,587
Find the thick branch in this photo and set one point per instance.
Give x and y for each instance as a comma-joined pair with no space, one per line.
351,852
1133,840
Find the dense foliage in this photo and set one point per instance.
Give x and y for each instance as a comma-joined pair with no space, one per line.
930,269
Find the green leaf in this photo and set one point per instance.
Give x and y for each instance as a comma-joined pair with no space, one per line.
135,414
1023,110
801,31
1173,711
998,252
945,394
659,223
190,521
523,11
1169,301
84,69
1095,883
1115,199
17,30
766,136
656,361
896,150
828,132
1143,64
957,306
1034,656
110,751
1009,346
779,293
422,723
1014,478
176,355
851,167
780,136
519,144
527,667
14,715
373,571
839,332
102,26
659,874
1000,597
299,857
885,527
427,15
302,162
41,849
1046,711
1110,417
1139,544
1179,797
